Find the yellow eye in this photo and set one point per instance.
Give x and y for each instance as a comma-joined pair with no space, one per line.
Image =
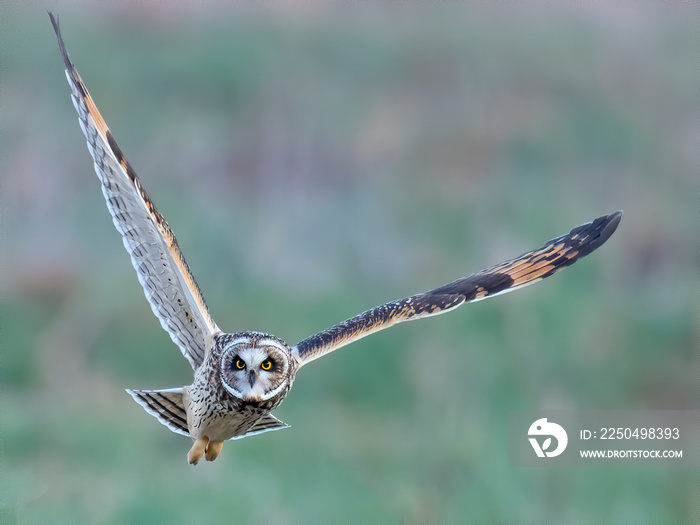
240,364
266,365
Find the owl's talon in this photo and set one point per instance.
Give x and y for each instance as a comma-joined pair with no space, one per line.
197,450
213,450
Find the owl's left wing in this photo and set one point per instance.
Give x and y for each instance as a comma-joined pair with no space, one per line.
526,269
162,270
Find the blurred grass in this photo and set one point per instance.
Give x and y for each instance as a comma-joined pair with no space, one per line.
314,162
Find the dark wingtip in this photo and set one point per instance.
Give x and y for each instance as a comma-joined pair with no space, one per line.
54,20
610,224
61,45
615,217
598,231
55,24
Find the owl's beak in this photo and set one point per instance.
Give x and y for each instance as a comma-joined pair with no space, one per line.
251,378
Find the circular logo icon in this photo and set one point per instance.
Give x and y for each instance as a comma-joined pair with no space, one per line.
540,435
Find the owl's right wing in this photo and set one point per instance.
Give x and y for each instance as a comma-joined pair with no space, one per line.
162,271
526,269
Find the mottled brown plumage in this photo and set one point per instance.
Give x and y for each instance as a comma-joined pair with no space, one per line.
240,377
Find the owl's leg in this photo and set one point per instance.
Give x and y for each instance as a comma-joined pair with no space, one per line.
213,449
197,450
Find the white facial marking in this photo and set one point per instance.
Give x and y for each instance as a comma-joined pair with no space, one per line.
254,372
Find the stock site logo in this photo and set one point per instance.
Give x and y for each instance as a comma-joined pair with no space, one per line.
544,429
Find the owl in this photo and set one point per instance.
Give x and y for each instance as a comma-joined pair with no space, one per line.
239,378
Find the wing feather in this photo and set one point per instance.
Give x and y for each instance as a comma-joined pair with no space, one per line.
510,275
167,281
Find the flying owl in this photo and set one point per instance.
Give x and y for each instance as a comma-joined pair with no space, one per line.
239,378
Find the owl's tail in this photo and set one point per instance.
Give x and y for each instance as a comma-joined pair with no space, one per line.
166,406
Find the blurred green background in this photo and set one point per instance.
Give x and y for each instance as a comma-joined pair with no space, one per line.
316,160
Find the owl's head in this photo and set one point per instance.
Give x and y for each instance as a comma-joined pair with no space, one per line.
256,366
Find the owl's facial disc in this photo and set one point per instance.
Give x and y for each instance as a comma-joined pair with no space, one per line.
254,369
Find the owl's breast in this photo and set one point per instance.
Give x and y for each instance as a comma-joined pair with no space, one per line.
218,418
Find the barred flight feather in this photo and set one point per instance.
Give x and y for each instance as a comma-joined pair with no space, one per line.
165,277
525,269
